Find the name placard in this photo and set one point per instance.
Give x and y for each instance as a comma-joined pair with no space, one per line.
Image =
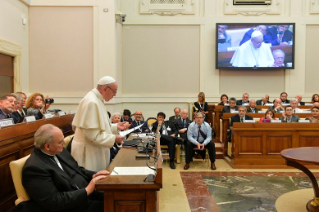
304,121
249,121
72,112
29,119
6,122
269,104
245,104
234,111
262,111
226,104
275,121
48,115
61,113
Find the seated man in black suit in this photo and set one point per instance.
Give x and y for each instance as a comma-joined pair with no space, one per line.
252,107
168,133
288,115
182,125
299,98
241,116
283,98
231,108
7,106
264,100
278,108
138,116
126,116
177,112
244,100
53,179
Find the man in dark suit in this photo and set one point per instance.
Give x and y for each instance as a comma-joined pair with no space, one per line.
7,105
299,98
138,116
177,112
280,35
278,108
168,133
288,115
264,100
231,108
53,179
244,100
252,107
283,98
182,125
241,116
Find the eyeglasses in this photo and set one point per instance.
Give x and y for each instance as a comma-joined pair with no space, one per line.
199,117
112,89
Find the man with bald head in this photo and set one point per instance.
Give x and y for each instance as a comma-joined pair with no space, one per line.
182,124
253,53
264,100
252,107
94,134
299,98
138,121
278,108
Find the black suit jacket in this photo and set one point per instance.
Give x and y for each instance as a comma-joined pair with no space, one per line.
227,109
169,124
236,118
250,111
52,189
203,108
172,118
143,129
179,126
260,102
302,103
240,102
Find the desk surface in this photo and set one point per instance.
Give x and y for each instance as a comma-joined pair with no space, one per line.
304,154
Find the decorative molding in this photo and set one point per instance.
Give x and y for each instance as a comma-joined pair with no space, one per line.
314,7
253,10
13,50
167,7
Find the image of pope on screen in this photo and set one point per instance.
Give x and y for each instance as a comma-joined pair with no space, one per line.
255,46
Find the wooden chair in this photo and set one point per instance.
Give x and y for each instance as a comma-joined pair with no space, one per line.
16,172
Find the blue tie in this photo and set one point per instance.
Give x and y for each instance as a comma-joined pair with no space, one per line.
183,123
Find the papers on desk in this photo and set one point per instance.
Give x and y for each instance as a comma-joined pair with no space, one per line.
142,135
133,171
126,132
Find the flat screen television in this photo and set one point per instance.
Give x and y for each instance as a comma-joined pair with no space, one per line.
255,45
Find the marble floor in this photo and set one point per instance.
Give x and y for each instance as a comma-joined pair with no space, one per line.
173,195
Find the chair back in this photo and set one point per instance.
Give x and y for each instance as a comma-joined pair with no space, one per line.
151,121
16,172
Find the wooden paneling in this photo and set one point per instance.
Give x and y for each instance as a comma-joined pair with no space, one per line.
277,142
16,142
250,144
6,65
308,139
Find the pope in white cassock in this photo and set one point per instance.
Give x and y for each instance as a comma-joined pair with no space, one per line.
253,53
94,133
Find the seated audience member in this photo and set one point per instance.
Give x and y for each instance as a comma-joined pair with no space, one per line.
115,118
269,115
279,58
252,107
287,115
315,104
7,105
36,106
201,106
280,35
253,53
283,98
199,135
53,179
261,28
299,98
223,99
241,116
231,108
315,98
294,104
18,114
315,115
278,108
126,116
24,99
182,125
224,40
264,100
244,100
168,132
138,116
177,112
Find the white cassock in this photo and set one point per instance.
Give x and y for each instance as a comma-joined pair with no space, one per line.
248,56
93,136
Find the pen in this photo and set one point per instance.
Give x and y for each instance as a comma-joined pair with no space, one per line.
115,171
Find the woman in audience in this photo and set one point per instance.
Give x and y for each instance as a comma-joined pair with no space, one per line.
315,98
201,106
36,106
315,115
223,99
269,115
115,118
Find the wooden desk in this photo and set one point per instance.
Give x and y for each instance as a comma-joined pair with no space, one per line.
258,145
16,142
130,193
295,157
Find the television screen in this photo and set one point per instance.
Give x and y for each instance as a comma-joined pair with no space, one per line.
255,45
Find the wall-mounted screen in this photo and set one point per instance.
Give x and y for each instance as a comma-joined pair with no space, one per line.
255,45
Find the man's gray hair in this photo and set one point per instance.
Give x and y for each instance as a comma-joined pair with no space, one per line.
44,135
278,50
294,100
17,96
114,114
200,113
245,108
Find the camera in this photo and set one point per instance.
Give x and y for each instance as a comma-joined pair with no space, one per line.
49,101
